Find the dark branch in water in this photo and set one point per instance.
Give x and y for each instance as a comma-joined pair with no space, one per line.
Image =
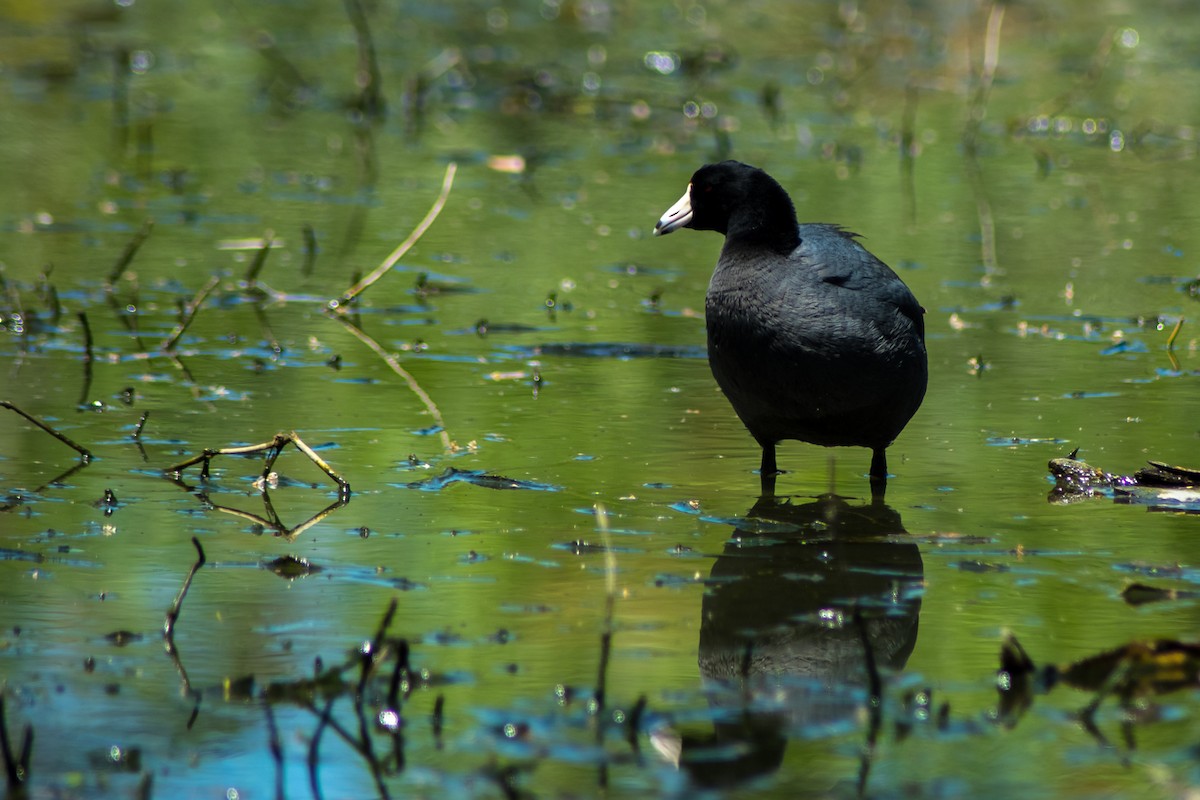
610,597
276,747
177,606
310,249
260,258
50,294
16,500
273,448
634,722
189,314
87,337
874,702
313,749
86,388
367,663
169,632
370,102
84,454
131,249
439,715
268,334
389,262
376,646
401,676
271,521
15,767
137,432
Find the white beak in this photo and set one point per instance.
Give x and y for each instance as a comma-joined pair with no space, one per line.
677,216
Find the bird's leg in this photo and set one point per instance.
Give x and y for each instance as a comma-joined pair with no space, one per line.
768,459
878,471
767,470
767,483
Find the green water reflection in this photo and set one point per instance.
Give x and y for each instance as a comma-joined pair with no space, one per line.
1052,265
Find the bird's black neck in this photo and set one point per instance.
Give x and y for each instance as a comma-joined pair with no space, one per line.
770,223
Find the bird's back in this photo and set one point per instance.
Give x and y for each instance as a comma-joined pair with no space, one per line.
823,344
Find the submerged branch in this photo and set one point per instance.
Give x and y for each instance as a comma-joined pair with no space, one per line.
370,100
406,376
189,314
131,249
260,258
87,337
177,606
84,454
16,767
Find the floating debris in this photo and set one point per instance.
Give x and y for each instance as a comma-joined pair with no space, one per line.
1020,441
1162,486
291,567
1137,670
123,638
477,478
1136,594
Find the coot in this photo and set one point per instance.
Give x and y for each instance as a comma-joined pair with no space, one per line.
809,335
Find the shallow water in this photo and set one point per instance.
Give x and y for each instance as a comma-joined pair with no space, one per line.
591,459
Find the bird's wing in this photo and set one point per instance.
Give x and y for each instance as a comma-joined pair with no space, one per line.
834,256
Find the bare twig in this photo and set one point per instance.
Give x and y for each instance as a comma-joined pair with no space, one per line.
1171,345
1174,335
131,249
189,314
405,246
273,448
84,454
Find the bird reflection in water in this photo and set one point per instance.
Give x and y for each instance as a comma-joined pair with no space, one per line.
781,654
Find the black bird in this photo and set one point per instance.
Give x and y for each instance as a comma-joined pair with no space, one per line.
809,335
